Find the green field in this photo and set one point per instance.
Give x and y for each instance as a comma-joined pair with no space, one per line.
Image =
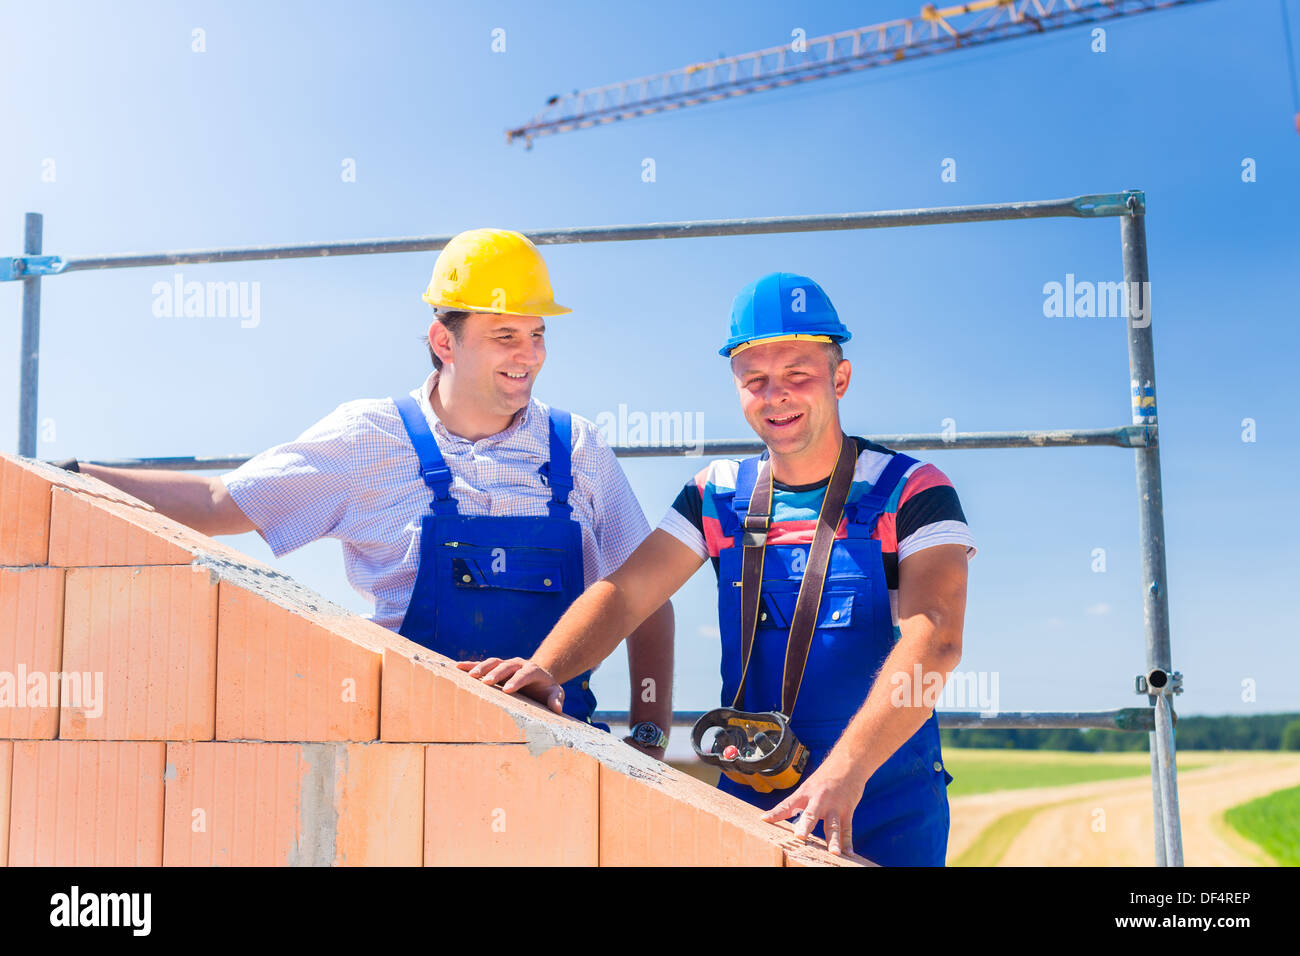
983,771
980,770
1273,822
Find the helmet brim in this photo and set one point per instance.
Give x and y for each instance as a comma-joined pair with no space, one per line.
736,346
546,309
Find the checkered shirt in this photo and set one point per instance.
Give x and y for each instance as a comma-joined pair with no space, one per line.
354,476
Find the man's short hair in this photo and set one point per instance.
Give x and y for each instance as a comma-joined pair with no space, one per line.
454,322
836,353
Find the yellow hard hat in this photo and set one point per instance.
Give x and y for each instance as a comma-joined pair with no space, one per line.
492,270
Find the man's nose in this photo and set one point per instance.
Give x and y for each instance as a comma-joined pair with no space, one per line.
775,394
530,352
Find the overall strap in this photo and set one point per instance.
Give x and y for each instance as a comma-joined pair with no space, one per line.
808,604
754,482
433,469
558,472
867,509
746,479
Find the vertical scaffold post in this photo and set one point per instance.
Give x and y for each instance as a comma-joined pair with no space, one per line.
1157,817
1151,524
1171,837
29,356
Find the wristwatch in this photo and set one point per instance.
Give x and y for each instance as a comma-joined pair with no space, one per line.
648,734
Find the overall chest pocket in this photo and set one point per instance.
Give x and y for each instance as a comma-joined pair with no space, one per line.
776,610
538,570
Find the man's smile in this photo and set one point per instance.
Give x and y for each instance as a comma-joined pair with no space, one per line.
784,421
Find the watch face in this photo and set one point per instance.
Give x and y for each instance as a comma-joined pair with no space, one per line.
646,733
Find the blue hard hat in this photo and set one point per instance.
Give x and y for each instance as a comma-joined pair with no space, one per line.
782,305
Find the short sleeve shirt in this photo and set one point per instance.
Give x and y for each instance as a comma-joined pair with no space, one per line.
354,476
923,512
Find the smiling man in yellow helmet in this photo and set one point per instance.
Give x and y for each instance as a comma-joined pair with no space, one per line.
469,512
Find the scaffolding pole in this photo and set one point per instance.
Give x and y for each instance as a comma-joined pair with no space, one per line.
1125,718
1151,532
29,354
1126,436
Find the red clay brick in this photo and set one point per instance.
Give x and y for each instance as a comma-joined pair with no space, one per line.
495,804
151,633
231,804
6,766
676,820
24,515
267,804
86,531
282,675
381,805
814,853
25,485
430,700
31,638
54,476
86,803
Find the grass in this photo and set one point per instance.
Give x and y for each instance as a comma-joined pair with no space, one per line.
980,770
1273,822
984,771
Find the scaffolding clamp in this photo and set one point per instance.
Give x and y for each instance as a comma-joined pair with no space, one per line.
1159,683
1129,202
23,267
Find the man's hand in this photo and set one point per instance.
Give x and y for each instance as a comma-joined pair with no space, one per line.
518,675
831,793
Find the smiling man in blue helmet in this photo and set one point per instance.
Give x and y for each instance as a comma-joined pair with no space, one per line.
842,569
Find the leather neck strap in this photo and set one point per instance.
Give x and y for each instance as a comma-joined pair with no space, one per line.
757,522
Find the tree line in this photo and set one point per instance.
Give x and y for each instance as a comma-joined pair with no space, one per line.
1229,732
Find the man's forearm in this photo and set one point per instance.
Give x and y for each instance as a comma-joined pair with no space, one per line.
189,499
894,709
650,669
588,632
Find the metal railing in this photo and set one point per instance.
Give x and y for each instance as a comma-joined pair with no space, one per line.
1160,682
1125,718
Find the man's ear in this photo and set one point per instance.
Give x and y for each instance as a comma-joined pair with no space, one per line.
843,372
441,341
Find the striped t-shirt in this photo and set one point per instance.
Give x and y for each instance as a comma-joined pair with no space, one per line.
923,512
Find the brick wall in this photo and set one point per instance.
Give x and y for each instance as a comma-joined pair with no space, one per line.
166,700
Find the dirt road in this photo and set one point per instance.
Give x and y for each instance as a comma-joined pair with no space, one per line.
1110,823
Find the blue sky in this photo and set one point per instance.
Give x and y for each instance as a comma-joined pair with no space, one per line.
157,147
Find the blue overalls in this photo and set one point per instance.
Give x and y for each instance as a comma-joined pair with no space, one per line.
490,586
902,819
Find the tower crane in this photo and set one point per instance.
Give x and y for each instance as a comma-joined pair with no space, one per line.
931,32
